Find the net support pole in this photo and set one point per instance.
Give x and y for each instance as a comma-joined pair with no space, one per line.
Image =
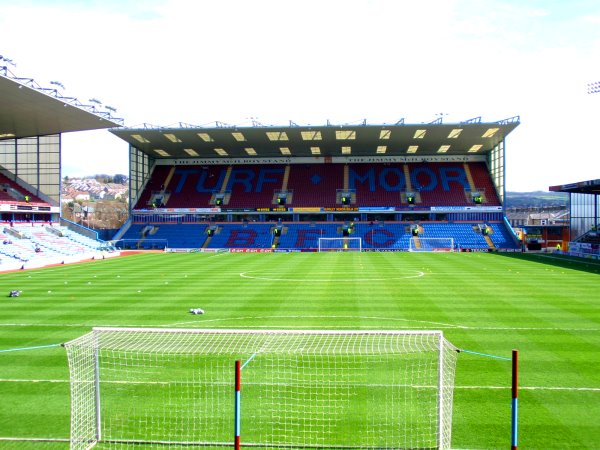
515,399
237,420
440,399
97,390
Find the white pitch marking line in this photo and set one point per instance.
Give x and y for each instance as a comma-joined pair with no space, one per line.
595,330
418,274
389,319
217,254
231,319
328,317
522,388
59,325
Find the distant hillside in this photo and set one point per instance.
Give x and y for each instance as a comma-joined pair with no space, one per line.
536,199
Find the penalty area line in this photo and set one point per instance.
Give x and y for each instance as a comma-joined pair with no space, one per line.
328,278
420,323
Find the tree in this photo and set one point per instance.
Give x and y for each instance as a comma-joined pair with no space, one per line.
120,179
110,214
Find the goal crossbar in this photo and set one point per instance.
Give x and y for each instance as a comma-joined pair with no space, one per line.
301,389
262,332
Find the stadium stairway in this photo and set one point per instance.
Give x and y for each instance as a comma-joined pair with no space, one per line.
417,242
489,242
226,180
469,176
169,178
275,243
206,242
286,177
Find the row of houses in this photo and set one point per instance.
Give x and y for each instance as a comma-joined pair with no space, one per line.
538,216
86,189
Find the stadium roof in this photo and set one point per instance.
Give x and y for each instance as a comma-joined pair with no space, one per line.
224,141
28,110
581,187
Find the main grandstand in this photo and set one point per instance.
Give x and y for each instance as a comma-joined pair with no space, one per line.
383,187
32,121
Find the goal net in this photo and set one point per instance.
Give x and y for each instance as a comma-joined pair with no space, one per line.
343,244
175,388
420,244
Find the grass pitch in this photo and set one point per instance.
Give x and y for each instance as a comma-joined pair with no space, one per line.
548,307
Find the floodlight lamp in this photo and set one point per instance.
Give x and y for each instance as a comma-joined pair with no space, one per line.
594,88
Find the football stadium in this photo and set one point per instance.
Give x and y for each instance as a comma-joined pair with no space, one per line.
342,286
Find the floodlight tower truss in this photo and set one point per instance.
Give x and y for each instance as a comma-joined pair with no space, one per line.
53,92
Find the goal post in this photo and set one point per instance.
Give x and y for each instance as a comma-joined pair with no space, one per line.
343,244
421,244
176,388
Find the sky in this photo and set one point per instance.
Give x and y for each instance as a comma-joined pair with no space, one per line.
198,61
